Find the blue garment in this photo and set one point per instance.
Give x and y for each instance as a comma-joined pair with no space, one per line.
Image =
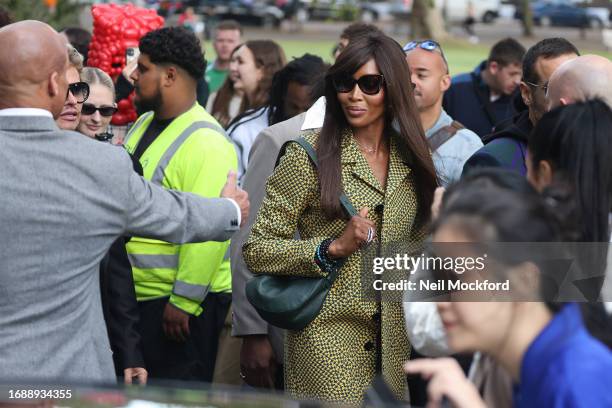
506,149
465,102
565,367
450,157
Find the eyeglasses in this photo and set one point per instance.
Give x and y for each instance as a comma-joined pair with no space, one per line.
369,84
80,90
544,87
90,109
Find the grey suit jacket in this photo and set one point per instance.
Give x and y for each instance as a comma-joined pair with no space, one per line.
64,199
262,158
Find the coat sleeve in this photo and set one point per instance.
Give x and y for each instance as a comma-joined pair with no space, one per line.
290,191
246,320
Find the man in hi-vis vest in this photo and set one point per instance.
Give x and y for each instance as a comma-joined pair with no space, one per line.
183,291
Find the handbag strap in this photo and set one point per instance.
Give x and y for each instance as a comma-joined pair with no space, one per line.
312,154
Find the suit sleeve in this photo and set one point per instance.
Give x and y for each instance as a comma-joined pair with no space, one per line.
202,167
246,320
123,309
271,247
153,212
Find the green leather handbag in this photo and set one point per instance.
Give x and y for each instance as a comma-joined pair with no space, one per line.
291,302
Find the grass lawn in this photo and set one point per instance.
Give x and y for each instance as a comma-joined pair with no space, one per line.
462,56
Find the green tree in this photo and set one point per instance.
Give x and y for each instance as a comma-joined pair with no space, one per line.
65,14
527,18
426,21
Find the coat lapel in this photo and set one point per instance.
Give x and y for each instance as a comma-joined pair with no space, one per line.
360,169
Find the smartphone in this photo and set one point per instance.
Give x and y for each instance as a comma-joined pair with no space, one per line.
131,54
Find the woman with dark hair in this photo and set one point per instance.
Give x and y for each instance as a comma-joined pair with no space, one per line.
252,66
552,359
571,147
569,156
291,93
226,103
388,175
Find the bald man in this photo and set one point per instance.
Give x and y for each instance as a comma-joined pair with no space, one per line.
65,199
451,143
33,74
586,77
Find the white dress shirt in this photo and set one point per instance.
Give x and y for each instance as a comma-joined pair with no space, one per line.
25,112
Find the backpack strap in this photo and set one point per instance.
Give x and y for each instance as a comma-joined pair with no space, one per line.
443,135
312,154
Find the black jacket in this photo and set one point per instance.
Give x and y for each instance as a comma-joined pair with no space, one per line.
120,307
119,303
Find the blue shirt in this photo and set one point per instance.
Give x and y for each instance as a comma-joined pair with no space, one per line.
466,99
565,367
450,157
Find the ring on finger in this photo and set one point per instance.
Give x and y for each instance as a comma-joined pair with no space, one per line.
370,235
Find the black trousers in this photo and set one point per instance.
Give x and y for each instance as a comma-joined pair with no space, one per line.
192,360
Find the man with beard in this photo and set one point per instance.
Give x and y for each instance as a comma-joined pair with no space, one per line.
183,291
507,147
450,142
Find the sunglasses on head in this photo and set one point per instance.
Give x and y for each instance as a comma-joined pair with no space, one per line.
90,109
80,90
427,45
369,84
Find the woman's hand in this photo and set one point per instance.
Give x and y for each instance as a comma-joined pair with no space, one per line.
446,381
359,231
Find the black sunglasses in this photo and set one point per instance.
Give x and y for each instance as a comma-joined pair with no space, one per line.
90,109
369,84
80,90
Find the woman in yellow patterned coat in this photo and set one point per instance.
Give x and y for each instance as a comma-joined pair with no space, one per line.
390,177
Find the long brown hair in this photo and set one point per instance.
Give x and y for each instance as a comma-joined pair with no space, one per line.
221,104
270,58
400,108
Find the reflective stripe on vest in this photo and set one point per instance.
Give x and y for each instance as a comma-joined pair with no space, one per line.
136,125
159,172
190,290
148,261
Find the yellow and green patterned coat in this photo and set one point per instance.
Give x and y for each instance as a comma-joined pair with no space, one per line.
335,357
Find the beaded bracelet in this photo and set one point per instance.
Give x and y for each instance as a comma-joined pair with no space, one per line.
322,257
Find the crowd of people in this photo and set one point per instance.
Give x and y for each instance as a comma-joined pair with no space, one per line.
117,263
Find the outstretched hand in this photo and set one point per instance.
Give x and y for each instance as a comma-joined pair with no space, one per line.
241,197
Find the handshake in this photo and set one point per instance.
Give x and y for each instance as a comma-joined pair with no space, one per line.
240,197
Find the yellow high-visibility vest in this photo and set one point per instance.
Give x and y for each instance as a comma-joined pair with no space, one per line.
192,154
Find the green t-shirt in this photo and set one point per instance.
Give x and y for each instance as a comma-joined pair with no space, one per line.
214,77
